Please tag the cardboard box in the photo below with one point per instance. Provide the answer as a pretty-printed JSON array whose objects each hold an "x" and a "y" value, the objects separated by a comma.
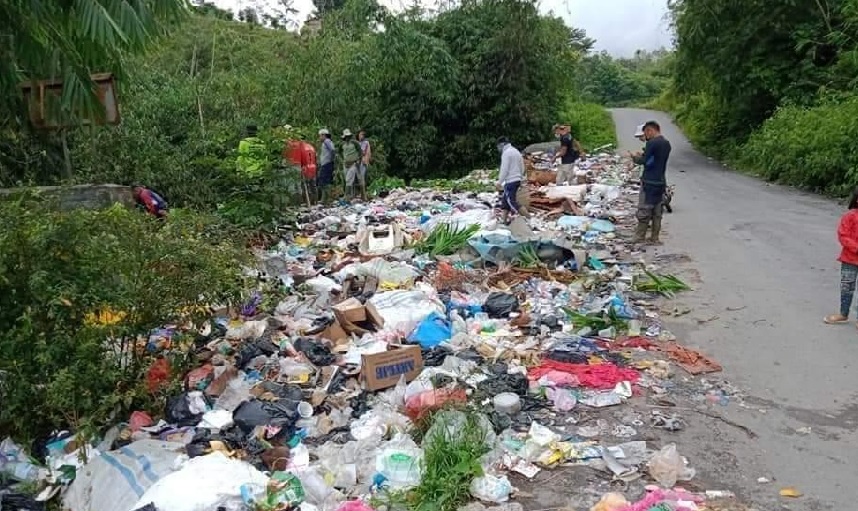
[
  {"x": 383, "y": 370},
  {"x": 356, "y": 318},
  {"x": 334, "y": 333}
]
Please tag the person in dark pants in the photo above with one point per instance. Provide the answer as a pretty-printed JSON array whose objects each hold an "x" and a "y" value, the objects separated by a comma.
[
  {"x": 327, "y": 154},
  {"x": 509, "y": 178},
  {"x": 847, "y": 234},
  {"x": 653, "y": 184}
]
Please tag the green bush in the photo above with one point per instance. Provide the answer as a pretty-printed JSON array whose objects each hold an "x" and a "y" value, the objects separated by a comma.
[
  {"x": 812, "y": 147},
  {"x": 592, "y": 125},
  {"x": 433, "y": 93},
  {"x": 62, "y": 270}
]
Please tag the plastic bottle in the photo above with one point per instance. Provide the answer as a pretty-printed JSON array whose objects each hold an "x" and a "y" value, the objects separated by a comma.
[{"x": 22, "y": 471}]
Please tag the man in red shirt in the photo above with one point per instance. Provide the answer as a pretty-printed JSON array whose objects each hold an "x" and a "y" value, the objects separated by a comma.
[{"x": 302, "y": 155}]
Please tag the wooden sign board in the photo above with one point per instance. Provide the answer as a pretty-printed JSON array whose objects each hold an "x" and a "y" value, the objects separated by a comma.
[{"x": 42, "y": 99}]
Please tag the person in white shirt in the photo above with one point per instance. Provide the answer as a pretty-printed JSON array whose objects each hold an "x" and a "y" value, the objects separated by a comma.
[{"x": 510, "y": 176}]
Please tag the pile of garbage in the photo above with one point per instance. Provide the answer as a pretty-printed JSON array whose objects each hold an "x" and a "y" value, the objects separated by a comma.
[{"x": 403, "y": 327}]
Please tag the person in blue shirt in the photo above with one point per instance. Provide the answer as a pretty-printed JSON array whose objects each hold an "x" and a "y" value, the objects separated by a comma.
[{"x": 653, "y": 184}]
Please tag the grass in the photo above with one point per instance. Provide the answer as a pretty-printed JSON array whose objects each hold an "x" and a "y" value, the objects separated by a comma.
[
  {"x": 452, "y": 452},
  {"x": 454, "y": 441}
]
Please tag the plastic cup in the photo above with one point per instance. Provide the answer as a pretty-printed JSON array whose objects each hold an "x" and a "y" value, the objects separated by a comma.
[{"x": 305, "y": 410}]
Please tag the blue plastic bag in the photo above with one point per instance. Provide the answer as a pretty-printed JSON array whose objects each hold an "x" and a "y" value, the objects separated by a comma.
[{"x": 432, "y": 331}]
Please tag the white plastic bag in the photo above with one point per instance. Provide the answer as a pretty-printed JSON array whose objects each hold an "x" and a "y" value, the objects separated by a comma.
[
  {"x": 667, "y": 467},
  {"x": 489, "y": 488},
  {"x": 203, "y": 483}
]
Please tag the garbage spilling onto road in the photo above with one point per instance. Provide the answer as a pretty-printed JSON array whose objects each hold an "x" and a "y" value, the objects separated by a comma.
[{"x": 413, "y": 353}]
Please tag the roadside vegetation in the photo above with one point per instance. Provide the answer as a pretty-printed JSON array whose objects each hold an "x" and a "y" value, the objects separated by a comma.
[
  {"x": 769, "y": 87},
  {"x": 84, "y": 293}
]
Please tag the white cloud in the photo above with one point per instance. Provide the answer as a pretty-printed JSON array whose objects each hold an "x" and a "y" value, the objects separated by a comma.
[{"x": 619, "y": 26}]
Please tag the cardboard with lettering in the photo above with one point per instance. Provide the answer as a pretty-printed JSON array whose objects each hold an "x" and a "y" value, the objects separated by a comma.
[{"x": 383, "y": 370}]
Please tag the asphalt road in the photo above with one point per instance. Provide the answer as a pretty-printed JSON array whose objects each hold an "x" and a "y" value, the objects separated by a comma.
[{"x": 763, "y": 261}]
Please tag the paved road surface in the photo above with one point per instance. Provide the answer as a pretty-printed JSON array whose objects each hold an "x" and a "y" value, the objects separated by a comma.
[{"x": 766, "y": 261}]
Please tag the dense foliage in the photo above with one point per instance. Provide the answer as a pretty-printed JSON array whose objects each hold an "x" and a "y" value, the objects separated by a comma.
[
  {"x": 619, "y": 82},
  {"x": 78, "y": 288},
  {"x": 433, "y": 94},
  {"x": 592, "y": 125},
  {"x": 44, "y": 39},
  {"x": 771, "y": 82}
]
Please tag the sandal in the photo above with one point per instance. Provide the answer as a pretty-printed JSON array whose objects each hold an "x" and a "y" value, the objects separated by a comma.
[{"x": 835, "y": 319}]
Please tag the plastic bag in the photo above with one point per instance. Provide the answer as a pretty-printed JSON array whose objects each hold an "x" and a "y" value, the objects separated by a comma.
[
  {"x": 611, "y": 502},
  {"x": 318, "y": 354},
  {"x": 495, "y": 246},
  {"x": 500, "y": 305},
  {"x": 432, "y": 331},
  {"x": 186, "y": 409},
  {"x": 667, "y": 467},
  {"x": 260, "y": 413},
  {"x": 400, "y": 463},
  {"x": 203, "y": 483},
  {"x": 489, "y": 488}
]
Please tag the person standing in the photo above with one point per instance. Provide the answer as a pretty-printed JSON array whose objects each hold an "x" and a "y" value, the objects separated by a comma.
[
  {"x": 653, "y": 184},
  {"x": 847, "y": 234},
  {"x": 301, "y": 155},
  {"x": 351, "y": 152},
  {"x": 327, "y": 155},
  {"x": 251, "y": 153},
  {"x": 570, "y": 151},
  {"x": 366, "y": 158},
  {"x": 510, "y": 176}
]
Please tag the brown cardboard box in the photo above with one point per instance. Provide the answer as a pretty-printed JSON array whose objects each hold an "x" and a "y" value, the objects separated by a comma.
[
  {"x": 356, "y": 318},
  {"x": 350, "y": 311},
  {"x": 334, "y": 333},
  {"x": 383, "y": 370}
]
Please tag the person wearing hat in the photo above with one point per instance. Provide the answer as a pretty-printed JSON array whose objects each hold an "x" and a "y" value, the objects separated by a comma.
[
  {"x": 570, "y": 151},
  {"x": 327, "y": 155},
  {"x": 509, "y": 178},
  {"x": 351, "y": 152}
]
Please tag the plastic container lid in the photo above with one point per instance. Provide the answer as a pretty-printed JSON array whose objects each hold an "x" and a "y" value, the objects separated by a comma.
[{"x": 507, "y": 403}]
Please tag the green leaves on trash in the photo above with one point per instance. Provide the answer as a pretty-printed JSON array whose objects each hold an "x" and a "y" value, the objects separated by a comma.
[{"x": 665, "y": 285}]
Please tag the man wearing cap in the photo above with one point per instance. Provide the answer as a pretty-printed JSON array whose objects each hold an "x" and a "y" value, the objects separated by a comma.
[
  {"x": 351, "y": 163},
  {"x": 570, "y": 151},
  {"x": 326, "y": 164},
  {"x": 653, "y": 184},
  {"x": 509, "y": 178}
]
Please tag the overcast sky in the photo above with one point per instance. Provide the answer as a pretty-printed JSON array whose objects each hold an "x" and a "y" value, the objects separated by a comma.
[{"x": 619, "y": 26}]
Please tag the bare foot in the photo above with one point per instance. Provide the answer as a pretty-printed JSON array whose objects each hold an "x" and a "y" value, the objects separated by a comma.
[{"x": 836, "y": 319}]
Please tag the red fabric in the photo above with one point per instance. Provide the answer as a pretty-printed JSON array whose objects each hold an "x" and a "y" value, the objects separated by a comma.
[
  {"x": 630, "y": 342},
  {"x": 601, "y": 376},
  {"x": 301, "y": 154},
  {"x": 847, "y": 234},
  {"x": 158, "y": 374}
]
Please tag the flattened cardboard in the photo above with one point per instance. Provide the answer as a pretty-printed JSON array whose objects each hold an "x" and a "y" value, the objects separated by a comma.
[{"x": 383, "y": 370}]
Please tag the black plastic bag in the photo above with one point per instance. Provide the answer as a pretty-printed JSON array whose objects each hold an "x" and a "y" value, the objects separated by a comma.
[
  {"x": 284, "y": 392},
  {"x": 318, "y": 354},
  {"x": 434, "y": 357},
  {"x": 178, "y": 411},
  {"x": 13, "y": 501},
  {"x": 515, "y": 383},
  {"x": 472, "y": 355},
  {"x": 500, "y": 305},
  {"x": 246, "y": 354},
  {"x": 251, "y": 414}
]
